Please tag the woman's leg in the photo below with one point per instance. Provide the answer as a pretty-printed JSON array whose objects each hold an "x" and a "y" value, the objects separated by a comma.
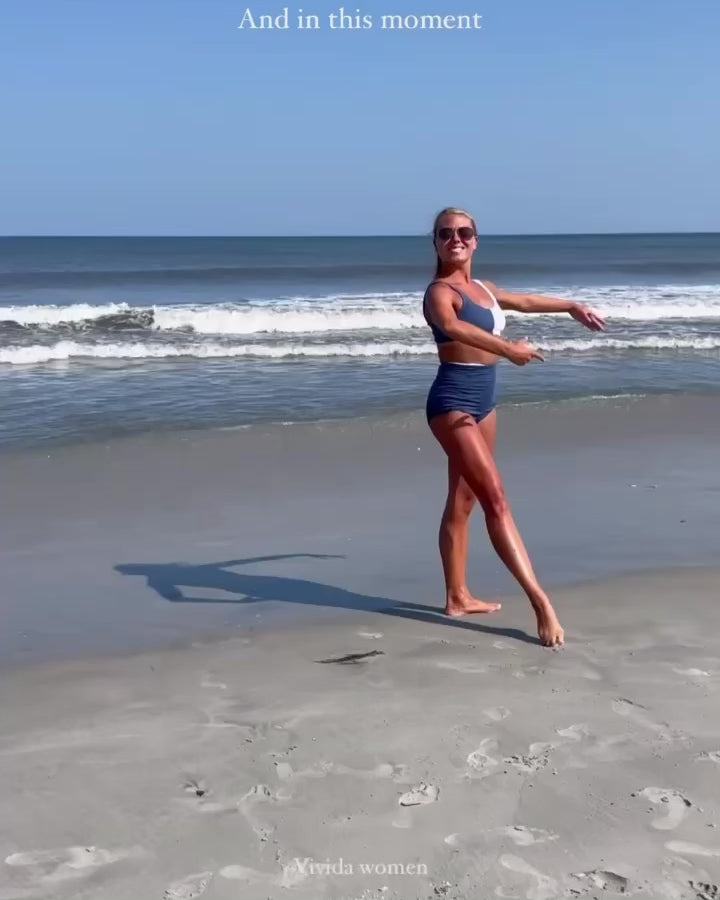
[
  {"x": 454, "y": 533},
  {"x": 470, "y": 455}
]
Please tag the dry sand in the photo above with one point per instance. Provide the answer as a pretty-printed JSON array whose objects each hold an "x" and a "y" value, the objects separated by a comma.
[{"x": 463, "y": 761}]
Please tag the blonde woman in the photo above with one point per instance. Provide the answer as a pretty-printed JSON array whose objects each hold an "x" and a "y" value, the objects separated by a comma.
[{"x": 467, "y": 319}]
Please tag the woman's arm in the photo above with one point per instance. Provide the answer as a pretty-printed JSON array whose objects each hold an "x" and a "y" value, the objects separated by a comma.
[
  {"x": 539, "y": 303},
  {"x": 442, "y": 312}
]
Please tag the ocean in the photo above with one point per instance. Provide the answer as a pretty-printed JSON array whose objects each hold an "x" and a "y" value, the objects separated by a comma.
[{"x": 101, "y": 337}]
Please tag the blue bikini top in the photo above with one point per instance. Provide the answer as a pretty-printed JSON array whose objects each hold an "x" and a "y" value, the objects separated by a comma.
[{"x": 490, "y": 319}]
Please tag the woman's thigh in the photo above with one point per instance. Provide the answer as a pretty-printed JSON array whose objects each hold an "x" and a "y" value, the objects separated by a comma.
[{"x": 470, "y": 457}]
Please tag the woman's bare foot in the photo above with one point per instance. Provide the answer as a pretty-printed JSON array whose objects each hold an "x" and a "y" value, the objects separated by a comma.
[
  {"x": 549, "y": 628},
  {"x": 463, "y": 603}
]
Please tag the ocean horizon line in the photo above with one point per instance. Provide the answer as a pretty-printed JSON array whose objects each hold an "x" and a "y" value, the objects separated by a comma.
[{"x": 484, "y": 234}]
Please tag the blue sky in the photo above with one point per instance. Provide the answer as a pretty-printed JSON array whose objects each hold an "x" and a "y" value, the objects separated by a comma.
[{"x": 162, "y": 117}]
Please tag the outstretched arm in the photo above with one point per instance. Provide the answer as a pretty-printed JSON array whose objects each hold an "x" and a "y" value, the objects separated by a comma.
[
  {"x": 258, "y": 559},
  {"x": 539, "y": 303}
]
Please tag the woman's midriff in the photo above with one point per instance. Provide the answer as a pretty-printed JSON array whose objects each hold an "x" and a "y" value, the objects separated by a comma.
[{"x": 455, "y": 352}]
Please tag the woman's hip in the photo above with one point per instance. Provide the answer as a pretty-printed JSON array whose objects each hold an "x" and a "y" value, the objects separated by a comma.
[{"x": 463, "y": 388}]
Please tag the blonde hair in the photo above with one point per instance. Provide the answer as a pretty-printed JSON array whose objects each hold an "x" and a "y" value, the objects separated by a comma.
[{"x": 448, "y": 211}]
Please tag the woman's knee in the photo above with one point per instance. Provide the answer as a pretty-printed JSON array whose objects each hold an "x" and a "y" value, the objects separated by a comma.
[
  {"x": 493, "y": 499},
  {"x": 460, "y": 506}
]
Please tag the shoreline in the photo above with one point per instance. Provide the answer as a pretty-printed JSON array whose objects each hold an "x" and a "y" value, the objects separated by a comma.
[
  {"x": 119, "y": 546},
  {"x": 380, "y": 417}
]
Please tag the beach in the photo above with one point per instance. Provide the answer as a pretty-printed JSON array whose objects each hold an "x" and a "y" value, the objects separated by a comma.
[
  {"x": 226, "y": 672},
  {"x": 233, "y": 664}
]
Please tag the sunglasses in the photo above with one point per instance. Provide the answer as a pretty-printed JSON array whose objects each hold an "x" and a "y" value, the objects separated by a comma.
[{"x": 465, "y": 232}]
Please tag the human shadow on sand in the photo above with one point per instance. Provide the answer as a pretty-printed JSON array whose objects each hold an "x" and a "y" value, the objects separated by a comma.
[{"x": 167, "y": 579}]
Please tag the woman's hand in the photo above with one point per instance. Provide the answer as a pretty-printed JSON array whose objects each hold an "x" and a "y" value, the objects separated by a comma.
[
  {"x": 521, "y": 352},
  {"x": 587, "y": 317}
]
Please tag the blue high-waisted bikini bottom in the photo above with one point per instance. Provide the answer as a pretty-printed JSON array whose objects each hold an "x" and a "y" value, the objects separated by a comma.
[{"x": 462, "y": 388}]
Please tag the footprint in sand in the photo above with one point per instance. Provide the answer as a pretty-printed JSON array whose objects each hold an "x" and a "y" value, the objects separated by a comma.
[
  {"x": 189, "y": 887},
  {"x": 574, "y": 732},
  {"x": 693, "y": 673},
  {"x": 497, "y": 713},
  {"x": 246, "y": 804},
  {"x": 395, "y": 771},
  {"x": 284, "y": 771},
  {"x": 570, "y": 735},
  {"x": 604, "y": 880},
  {"x": 260, "y": 793},
  {"x": 480, "y": 761},
  {"x": 709, "y": 756},
  {"x": 208, "y": 681},
  {"x": 526, "y": 764},
  {"x": 545, "y": 888},
  {"x": 420, "y": 795},
  {"x": 538, "y": 752},
  {"x": 198, "y": 798},
  {"x": 195, "y": 786},
  {"x": 705, "y": 890},
  {"x": 677, "y": 806},
  {"x": 635, "y": 711},
  {"x": 398, "y": 772},
  {"x": 522, "y": 836},
  {"x": 243, "y": 873},
  {"x": 292, "y": 874},
  {"x": 69, "y": 862},
  {"x": 686, "y": 849}
]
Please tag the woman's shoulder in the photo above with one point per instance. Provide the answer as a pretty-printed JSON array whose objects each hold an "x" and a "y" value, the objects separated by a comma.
[
  {"x": 488, "y": 285},
  {"x": 439, "y": 289}
]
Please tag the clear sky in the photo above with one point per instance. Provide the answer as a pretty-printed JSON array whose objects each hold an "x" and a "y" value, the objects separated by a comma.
[{"x": 163, "y": 117}]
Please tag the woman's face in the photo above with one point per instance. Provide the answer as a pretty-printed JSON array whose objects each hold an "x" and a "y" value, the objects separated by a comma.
[{"x": 455, "y": 239}]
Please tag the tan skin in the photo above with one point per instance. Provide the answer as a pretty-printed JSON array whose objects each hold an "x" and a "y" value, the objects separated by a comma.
[{"x": 472, "y": 473}]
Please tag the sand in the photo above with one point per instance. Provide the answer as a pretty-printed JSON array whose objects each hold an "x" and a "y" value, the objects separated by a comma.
[
  {"x": 338, "y": 737},
  {"x": 119, "y": 546},
  {"x": 391, "y": 758}
]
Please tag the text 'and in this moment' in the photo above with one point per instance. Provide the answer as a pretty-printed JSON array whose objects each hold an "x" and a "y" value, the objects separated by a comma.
[{"x": 346, "y": 20}]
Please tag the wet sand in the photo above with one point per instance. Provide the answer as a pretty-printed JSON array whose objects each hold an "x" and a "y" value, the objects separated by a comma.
[{"x": 121, "y": 546}]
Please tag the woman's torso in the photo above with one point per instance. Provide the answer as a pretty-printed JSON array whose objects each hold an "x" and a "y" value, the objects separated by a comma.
[{"x": 474, "y": 303}]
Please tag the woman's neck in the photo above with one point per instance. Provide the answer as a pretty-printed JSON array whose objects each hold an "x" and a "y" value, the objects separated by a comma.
[{"x": 459, "y": 273}]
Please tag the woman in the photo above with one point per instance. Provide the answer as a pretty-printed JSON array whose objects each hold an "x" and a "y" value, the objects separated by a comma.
[{"x": 467, "y": 319}]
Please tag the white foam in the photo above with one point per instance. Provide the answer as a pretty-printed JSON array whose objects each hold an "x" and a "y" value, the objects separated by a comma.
[
  {"x": 66, "y": 350},
  {"x": 35, "y": 354},
  {"x": 391, "y": 311},
  {"x": 651, "y": 342},
  {"x": 273, "y": 320}
]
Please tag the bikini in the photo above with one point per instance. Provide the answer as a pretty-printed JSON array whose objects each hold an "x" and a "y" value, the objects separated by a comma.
[{"x": 465, "y": 387}]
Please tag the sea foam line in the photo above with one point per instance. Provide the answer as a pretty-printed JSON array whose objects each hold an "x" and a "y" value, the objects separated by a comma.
[
  {"x": 67, "y": 350},
  {"x": 362, "y": 312}
]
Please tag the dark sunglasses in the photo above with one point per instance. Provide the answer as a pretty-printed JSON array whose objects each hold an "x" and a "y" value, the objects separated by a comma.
[{"x": 464, "y": 232}]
